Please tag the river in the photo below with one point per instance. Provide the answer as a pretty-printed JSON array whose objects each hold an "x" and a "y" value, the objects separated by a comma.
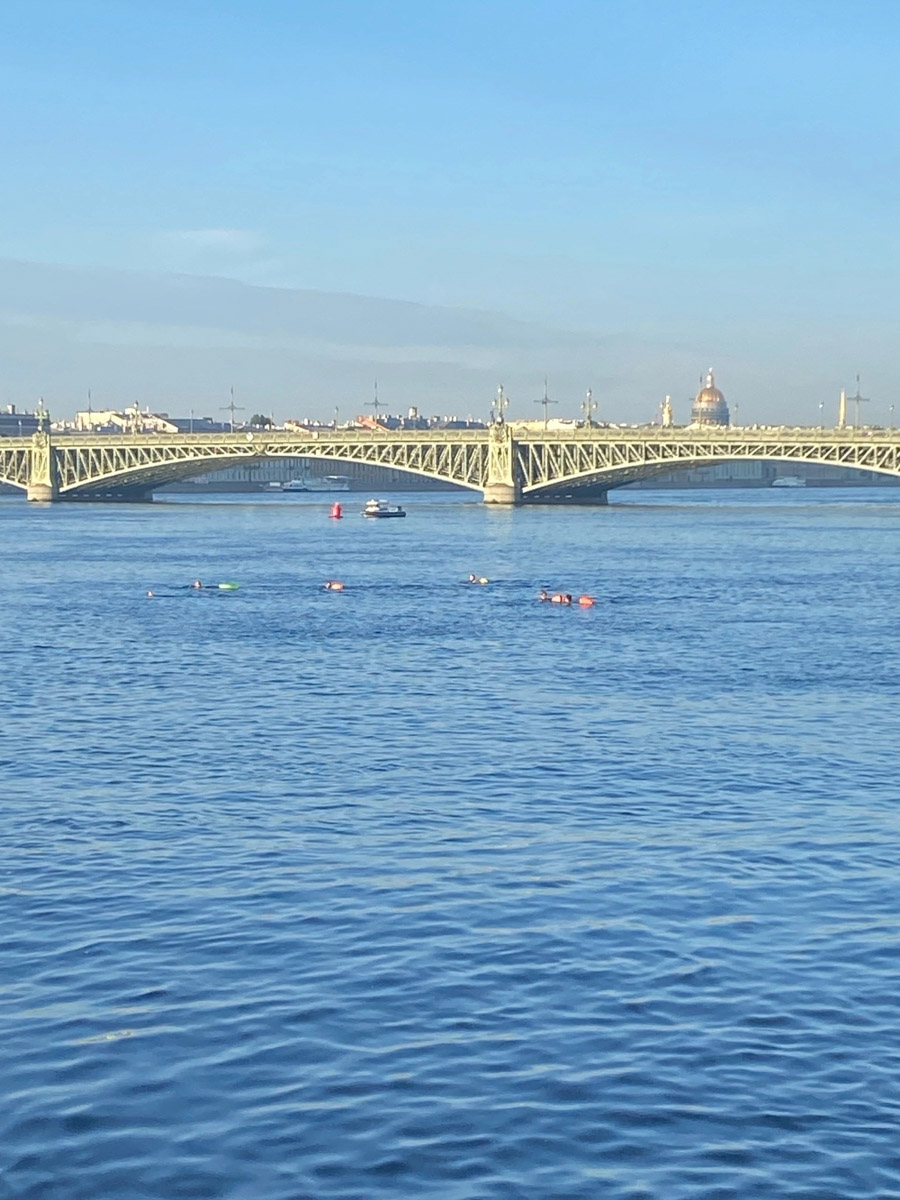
[{"x": 424, "y": 889}]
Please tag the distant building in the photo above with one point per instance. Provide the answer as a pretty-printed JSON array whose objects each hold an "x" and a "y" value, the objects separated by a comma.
[
  {"x": 709, "y": 406},
  {"x": 18, "y": 424},
  {"x": 413, "y": 421},
  {"x": 552, "y": 424},
  {"x": 132, "y": 420},
  {"x": 197, "y": 424},
  {"x": 127, "y": 420}
]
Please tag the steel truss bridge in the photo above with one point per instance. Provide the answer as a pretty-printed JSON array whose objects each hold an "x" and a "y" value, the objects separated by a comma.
[{"x": 508, "y": 465}]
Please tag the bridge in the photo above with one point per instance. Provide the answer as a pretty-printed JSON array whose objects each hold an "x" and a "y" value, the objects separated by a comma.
[{"x": 507, "y": 464}]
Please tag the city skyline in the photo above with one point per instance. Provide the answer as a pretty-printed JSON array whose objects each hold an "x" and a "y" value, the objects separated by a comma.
[{"x": 301, "y": 354}]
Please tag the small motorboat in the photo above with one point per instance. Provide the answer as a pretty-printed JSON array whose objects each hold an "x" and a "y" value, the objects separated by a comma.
[{"x": 381, "y": 508}]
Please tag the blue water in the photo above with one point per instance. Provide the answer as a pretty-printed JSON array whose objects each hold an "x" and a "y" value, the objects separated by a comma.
[{"x": 428, "y": 890}]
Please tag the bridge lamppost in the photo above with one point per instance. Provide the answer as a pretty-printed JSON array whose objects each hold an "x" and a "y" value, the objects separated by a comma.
[
  {"x": 589, "y": 407},
  {"x": 821, "y": 414},
  {"x": 892, "y": 417},
  {"x": 499, "y": 405}
]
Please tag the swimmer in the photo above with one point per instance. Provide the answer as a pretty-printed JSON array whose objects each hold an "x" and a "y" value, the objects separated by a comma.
[
  {"x": 473, "y": 579},
  {"x": 150, "y": 595},
  {"x": 543, "y": 596},
  {"x": 196, "y": 584},
  {"x": 567, "y": 598}
]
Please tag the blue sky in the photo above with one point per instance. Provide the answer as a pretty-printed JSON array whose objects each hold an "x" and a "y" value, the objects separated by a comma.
[{"x": 717, "y": 180}]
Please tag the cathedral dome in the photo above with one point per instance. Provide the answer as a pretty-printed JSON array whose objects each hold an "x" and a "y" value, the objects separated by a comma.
[{"x": 709, "y": 404}]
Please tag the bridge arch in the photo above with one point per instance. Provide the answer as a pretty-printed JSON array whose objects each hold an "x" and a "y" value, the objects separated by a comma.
[
  {"x": 610, "y": 475},
  {"x": 150, "y": 477},
  {"x": 141, "y": 464}
]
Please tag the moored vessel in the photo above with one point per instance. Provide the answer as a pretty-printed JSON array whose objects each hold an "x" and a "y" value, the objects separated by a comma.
[
  {"x": 318, "y": 483},
  {"x": 381, "y": 508}
]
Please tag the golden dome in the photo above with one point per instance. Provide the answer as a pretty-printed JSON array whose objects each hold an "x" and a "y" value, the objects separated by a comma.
[
  {"x": 709, "y": 391},
  {"x": 709, "y": 404}
]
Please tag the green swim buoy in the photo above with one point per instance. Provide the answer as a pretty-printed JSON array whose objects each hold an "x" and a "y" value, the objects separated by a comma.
[{"x": 228, "y": 587}]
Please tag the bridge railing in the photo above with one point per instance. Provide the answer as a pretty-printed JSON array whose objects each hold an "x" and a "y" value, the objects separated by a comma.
[
  {"x": 247, "y": 437},
  {"x": 599, "y": 433},
  {"x": 617, "y": 433},
  {"x": 685, "y": 433}
]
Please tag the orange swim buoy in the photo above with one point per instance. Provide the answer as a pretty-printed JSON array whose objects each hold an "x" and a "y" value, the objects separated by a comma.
[
  {"x": 557, "y": 598},
  {"x": 334, "y": 585},
  {"x": 586, "y": 601},
  {"x": 336, "y": 511}
]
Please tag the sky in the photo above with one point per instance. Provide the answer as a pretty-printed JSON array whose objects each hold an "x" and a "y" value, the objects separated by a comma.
[{"x": 648, "y": 187}]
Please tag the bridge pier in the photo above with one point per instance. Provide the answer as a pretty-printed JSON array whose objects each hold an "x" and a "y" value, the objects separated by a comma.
[
  {"x": 502, "y": 493},
  {"x": 44, "y": 493},
  {"x": 43, "y": 481},
  {"x": 503, "y": 485}
]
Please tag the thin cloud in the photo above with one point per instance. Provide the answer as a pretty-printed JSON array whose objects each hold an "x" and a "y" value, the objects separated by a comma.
[{"x": 231, "y": 241}]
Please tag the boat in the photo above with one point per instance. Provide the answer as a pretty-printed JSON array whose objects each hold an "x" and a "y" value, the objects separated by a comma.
[
  {"x": 381, "y": 508},
  {"x": 789, "y": 481},
  {"x": 318, "y": 483}
]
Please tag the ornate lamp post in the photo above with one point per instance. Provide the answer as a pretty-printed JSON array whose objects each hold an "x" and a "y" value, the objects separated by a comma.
[
  {"x": 499, "y": 405},
  {"x": 589, "y": 406}
]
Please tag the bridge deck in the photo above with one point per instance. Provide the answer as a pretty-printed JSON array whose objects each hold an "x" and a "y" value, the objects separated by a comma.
[{"x": 505, "y": 462}]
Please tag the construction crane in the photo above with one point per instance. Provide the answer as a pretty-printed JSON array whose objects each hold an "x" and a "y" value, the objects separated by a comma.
[
  {"x": 545, "y": 401},
  {"x": 858, "y": 400},
  {"x": 232, "y": 408},
  {"x": 375, "y": 403}
]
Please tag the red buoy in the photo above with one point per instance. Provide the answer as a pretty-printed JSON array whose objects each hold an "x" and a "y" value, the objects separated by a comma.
[{"x": 336, "y": 511}]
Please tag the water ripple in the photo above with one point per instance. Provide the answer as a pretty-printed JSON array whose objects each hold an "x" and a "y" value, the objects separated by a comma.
[{"x": 430, "y": 891}]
